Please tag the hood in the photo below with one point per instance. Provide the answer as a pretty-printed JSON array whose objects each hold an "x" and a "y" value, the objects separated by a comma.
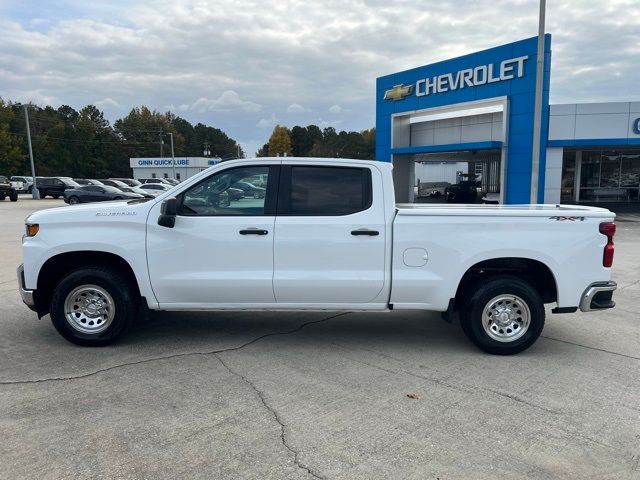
[{"x": 113, "y": 209}]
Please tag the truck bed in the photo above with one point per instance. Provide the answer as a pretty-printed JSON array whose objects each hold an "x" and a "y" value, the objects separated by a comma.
[{"x": 425, "y": 209}]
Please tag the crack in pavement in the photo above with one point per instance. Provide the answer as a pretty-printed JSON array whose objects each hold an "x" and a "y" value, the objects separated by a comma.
[
  {"x": 276, "y": 416},
  {"x": 591, "y": 348},
  {"x": 169, "y": 357},
  {"x": 459, "y": 386},
  {"x": 627, "y": 286}
]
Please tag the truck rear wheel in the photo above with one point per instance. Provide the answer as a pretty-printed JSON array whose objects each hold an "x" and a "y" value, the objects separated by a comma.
[
  {"x": 504, "y": 316},
  {"x": 13, "y": 196},
  {"x": 93, "y": 306}
]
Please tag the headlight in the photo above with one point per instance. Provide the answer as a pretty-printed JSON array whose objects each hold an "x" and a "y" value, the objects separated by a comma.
[{"x": 32, "y": 229}]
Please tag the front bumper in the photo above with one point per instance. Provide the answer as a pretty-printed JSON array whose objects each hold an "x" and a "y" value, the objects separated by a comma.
[
  {"x": 598, "y": 296},
  {"x": 28, "y": 296}
]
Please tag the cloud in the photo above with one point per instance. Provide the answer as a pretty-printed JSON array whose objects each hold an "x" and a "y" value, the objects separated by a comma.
[
  {"x": 226, "y": 63},
  {"x": 228, "y": 101},
  {"x": 296, "y": 108},
  {"x": 268, "y": 122},
  {"x": 107, "y": 103}
]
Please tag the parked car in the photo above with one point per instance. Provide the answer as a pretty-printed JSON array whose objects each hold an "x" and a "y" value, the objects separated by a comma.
[
  {"x": 328, "y": 236},
  {"x": 163, "y": 181},
  {"x": 27, "y": 183},
  {"x": 139, "y": 191},
  {"x": 113, "y": 183},
  {"x": 156, "y": 187},
  {"x": 54, "y": 186},
  {"x": 235, "y": 193},
  {"x": 250, "y": 190},
  {"x": 87, "y": 181},
  {"x": 130, "y": 182},
  {"x": 96, "y": 193},
  {"x": 7, "y": 190}
]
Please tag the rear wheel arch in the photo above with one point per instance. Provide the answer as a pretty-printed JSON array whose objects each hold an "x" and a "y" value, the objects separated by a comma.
[
  {"x": 61, "y": 265},
  {"x": 531, "y": 271}
]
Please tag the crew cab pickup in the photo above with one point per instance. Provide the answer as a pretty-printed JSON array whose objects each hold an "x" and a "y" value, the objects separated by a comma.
[{"x": 327, "y": 235}]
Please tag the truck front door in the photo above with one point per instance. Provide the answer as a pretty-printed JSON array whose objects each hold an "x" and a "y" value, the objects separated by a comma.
[{"x": 219, "y": 254}]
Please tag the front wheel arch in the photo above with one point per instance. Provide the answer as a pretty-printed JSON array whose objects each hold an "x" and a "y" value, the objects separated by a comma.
[{"x": 62, "y": 264}]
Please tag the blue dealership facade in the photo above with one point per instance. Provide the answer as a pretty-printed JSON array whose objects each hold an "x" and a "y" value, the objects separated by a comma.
[{"x": 477, "y": 110}]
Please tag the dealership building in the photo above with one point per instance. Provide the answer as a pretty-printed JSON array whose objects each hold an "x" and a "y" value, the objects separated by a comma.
[
  {"x": 477, "y": 112},
  {"x": 165, "y": 167}
]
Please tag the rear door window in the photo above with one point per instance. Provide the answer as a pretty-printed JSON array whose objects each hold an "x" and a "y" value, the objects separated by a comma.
[{"x": 324, "y": 191}]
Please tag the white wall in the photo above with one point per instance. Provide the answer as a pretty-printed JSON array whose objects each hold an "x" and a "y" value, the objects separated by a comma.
[
  {"x": 474, "y": 128},
  {"x": 585, "y": 121},
  {"x": 439, "y": 172}
]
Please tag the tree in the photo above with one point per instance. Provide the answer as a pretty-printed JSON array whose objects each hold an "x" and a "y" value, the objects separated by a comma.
[
  {"x": 280, "y": 142},
  {"x": 12, "y": 158},
  {"x": 264, "y": 151}
]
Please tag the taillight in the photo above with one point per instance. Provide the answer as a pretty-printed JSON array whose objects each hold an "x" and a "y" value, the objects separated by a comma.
[{"x": 608, "y": 229}]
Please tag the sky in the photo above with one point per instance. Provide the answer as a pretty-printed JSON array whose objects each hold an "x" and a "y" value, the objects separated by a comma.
[{"x": 245, "y": 66}]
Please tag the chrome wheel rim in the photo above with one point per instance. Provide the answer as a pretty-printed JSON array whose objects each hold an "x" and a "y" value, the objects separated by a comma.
[
  {"x": 89, "y": 309},
  {"x": 506, "y": 318}
]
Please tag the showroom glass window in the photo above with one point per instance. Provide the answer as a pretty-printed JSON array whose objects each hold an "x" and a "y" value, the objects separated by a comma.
[
  {"x": 317, "y": 190},
  {"x": 610, "y": 176},
  {"x": 236, "y": 191},
  {"x": 567, "y": 187}
]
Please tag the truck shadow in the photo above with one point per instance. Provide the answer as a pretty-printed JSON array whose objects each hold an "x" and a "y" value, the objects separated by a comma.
[{"x": 230, "y": 330}]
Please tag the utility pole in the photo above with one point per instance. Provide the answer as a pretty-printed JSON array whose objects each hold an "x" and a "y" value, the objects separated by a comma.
[
  {"x": 173, "y": 157},
  {"x": 34, "y": 189},
  {"x": 161, "y": 145},
  {"x": 537, "y": 115}
]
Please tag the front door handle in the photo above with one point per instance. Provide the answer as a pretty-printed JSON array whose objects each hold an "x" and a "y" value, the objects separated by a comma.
[
  {"x": 371, "y": 233},
  {"x": 253, "y": 231}
]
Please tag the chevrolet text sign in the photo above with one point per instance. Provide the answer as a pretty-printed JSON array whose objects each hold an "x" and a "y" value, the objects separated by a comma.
[{"x": 472, "y": 77}]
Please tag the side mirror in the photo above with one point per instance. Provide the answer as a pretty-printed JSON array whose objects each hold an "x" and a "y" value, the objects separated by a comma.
[{"x": 168, "y": 212}]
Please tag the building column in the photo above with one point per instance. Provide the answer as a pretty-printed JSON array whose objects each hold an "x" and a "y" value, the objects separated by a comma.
[{"x": 553, "y": 175}]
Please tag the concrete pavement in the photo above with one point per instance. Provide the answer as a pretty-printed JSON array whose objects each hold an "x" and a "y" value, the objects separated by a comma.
[{"x": 319, "y": 395}]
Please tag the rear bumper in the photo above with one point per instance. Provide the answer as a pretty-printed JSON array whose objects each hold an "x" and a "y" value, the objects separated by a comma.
[
  {"x": 28, "y": 296},
  {"x": 598, "y": 296}
]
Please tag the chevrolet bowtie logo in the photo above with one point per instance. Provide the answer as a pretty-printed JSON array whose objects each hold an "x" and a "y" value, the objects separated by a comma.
[{"x": 398, "y": 92}]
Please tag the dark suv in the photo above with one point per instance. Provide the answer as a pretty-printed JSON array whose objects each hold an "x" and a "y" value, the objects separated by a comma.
[
  {"x": 54, "y": 186},
  {"x": 6, "y": 190}
]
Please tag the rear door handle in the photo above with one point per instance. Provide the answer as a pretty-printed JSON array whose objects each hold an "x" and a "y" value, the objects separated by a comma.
[
  {"x": 371, "y": 233},
  {"x": 253, "y": 231}
]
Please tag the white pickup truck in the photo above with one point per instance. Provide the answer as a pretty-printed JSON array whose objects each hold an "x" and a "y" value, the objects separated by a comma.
[{"x": 314, "y": 234}]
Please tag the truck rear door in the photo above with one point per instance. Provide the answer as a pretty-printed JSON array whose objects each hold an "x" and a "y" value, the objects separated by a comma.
[{"x": 330, "y": 234}]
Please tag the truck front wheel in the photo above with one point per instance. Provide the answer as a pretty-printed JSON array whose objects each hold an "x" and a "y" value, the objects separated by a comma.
[
  {"x": 93, "y": 306},
  {"x": 504, "y": 316}
]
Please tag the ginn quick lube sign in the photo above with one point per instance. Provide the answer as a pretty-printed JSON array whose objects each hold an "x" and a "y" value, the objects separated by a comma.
[{"x": 472, "y": 77}]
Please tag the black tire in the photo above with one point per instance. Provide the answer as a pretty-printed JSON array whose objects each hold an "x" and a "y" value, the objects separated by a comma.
[
  {"x": 73, "y": 200},
  {"x": 30, "y": 189},
  {"x": 56, "y": 196},
  {"x": 471, "y": 315},
  {"x": 13, "y": 196},
  {"x": 43, "y": 193},
  {"x": 118, "y": 286},
  {"x": 2, "y": 197}
]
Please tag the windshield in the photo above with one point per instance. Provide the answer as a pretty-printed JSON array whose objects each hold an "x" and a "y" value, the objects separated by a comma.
[
  {"x": 68, "y": 181},
  {"x": 3, "y": 179},
  {"x": 110, "y": 189}
]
